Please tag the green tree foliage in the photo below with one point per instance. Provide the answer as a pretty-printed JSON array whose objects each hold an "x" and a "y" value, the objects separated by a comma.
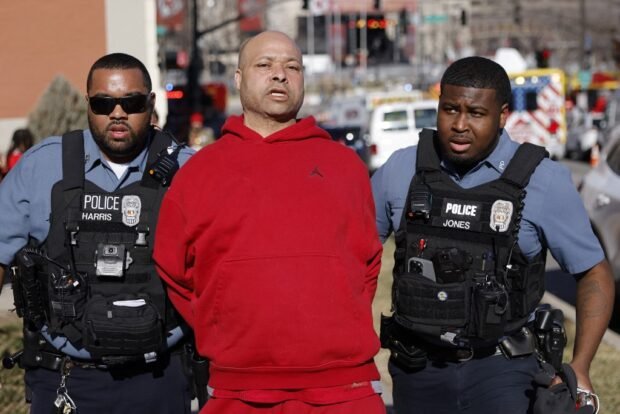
[{"x": 61, "y": 109}]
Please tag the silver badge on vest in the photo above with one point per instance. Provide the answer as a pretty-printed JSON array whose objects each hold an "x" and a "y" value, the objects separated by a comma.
[
  {"x": 131, "y": 210},
  {"x": 501, "y": 214}
]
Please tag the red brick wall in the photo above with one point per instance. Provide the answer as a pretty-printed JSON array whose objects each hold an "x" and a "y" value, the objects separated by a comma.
[{"x": 41, "y": 39}]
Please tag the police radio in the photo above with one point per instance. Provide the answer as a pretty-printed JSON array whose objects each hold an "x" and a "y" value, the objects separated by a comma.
[
  {"x": 166, "y": 165},
  {"x": 421, "y": 201}
]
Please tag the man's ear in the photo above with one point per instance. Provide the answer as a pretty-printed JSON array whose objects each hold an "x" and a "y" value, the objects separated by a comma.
[
  {"x": 238, "y": 79},
  {"x": 503, "y": 116}
]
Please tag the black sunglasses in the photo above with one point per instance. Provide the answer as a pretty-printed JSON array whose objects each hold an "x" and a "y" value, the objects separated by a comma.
[{"x": 104, "y": 105}]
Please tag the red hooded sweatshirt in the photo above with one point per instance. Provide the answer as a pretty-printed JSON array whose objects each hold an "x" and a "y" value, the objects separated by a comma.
[{"x": 270, "y": 250}]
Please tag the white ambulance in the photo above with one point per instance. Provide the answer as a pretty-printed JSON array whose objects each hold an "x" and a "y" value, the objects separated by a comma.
[
  {"x": 397, "y": 125},
  {"x": 538, "y": 111}
]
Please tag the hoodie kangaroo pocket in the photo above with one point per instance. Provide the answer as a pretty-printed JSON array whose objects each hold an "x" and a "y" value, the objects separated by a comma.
[{"x": 288, "y": 311}]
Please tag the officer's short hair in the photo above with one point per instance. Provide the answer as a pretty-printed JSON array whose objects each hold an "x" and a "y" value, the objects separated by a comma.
[
  {"x": 479, "y": 72},
  {"x": 119, "y": 61}
]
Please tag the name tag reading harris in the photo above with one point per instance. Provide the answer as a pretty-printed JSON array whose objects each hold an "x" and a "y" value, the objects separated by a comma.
[
  {"x": 109, "y": 207},
  {"x": 460, "y": 214}
]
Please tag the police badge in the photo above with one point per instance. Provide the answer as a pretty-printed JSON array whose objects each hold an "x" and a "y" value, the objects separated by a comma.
[
  {"x": 131, "y": 206},
  {"x": 501, "y": 213}
]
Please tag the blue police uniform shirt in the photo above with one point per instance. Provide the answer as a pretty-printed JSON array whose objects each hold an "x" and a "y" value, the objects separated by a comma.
[
  {"x": 26, "y": 191},
  {"x": 553, "y": 217}
]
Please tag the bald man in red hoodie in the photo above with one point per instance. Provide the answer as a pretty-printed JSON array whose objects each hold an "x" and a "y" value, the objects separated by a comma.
[{"x": 267, "y": 241}]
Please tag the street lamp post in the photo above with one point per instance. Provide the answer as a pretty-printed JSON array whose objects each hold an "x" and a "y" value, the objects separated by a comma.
[{"x": 195, "y": 66}]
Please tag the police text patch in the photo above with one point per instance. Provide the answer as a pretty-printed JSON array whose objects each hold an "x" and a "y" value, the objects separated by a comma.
[
  {"x": 461, "y": 209},
  {"x": 110, "y": 207},
  {"x": 460, "y": 214}
]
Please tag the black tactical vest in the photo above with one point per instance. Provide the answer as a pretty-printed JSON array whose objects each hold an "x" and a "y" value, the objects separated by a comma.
[
  {"x": 102, "y": 288},
  {"x": 459, "y": 275}
]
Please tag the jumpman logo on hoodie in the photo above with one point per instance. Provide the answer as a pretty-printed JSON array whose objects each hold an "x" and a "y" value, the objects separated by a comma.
[{"x": 316, "y": 171}]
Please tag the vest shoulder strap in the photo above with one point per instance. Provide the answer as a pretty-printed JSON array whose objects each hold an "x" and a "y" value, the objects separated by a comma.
[
  {"x": 72, "y": 160},
  {"x": 427, "y": 159},
  {"x": 523, "y": 164}
]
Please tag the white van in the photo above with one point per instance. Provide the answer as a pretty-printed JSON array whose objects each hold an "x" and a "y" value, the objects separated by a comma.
[{"x": 397, "y": 125}]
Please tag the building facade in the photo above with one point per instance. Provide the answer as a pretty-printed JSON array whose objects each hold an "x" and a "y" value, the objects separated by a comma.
[{"x": 64, "y": 37}]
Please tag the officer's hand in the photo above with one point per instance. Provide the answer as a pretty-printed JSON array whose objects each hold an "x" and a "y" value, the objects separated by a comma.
[
  {"x": 555, "y": 381},
  {"x": 583, "y": 378}
]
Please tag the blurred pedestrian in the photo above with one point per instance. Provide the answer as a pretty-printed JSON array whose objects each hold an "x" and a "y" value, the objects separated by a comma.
[
  {"x": 199, "y": 135},
  {"x": 22, "y": 140},
  {"x": 78, "y": 222},
  {"x": 268, "y": 244}
]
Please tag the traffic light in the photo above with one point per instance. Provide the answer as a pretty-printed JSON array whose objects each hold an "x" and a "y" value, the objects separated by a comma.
[
  {"x": 175, "y": 59},
  {"x": 377, "y": 4},
  {"x": 542, "y": 58},
  {"x": 305, "y": 4}
]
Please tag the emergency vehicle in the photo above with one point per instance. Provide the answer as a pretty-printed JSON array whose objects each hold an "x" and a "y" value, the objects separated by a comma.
[
  {"x": 537, "y": 111},
  {"x": 396, "y": 125}
]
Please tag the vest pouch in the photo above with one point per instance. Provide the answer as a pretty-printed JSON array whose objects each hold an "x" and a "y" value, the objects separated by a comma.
[
  {"x": 67, "y": 297},
  {"x": 527, "y": 287},
  {"x": 426, "y": 305},
  {"x": 122, "y": 325},
  {"x": 489, "y": 319}
]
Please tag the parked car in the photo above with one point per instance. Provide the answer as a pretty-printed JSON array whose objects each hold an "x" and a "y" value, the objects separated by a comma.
[
  {"x": 353, "y": 137},
  {"x": 600, "y": 190},
  {"x": 583, "y": 133},
  {"x": 397, "y": 125}
]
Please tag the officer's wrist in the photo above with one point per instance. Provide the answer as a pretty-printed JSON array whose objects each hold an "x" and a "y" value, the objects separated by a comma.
[{"x": 581, "y": 368}]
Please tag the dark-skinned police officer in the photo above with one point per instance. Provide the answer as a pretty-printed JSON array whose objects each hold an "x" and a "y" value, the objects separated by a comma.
[
  {"x": 473, "y": 214},
  {"x": 77, "y": 226}
]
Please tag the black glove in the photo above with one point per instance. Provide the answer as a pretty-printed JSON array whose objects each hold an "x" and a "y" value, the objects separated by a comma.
[{"x": 560, "y": 398}]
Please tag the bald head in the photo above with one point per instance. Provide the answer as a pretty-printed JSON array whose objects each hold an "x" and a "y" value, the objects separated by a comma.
[
  {"x": 270, "y": 80},
  {"x": 260, "y": 39}
]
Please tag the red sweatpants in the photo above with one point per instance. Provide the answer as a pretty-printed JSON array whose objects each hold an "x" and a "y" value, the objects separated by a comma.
[{"x": 368, "y": 405}]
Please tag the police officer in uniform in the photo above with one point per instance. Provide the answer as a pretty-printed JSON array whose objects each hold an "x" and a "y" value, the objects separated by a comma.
[
  {"x": 473, "y": 214},
  {"x": 77, "y": 226}
]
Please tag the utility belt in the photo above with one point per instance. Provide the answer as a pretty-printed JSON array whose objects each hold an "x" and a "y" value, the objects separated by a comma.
[
  {"x": 411, "y": 351},
  {"x": 543, "y": 335},
  {"x": 37, "y": 353},
  {"x": 51, "y": 360}
]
